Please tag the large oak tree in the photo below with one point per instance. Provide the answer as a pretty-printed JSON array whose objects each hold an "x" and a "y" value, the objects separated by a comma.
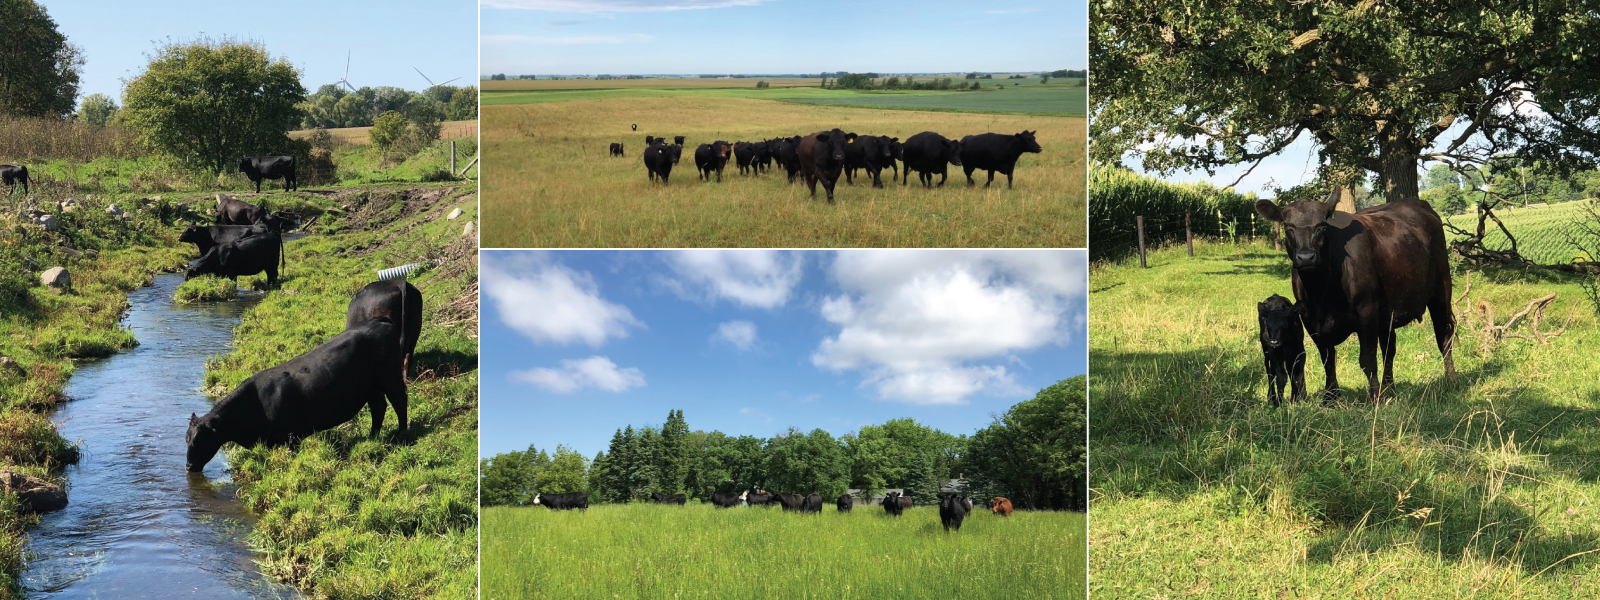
[
  {"x": 38, "y": 67},
  {"x": 1380, "y": 86}
]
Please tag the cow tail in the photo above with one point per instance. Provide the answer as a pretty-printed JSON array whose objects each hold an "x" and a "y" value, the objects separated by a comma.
[{"x": 405, "y": 362}]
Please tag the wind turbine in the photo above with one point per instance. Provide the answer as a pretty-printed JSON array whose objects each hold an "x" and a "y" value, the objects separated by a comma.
[
  {"x": 430, "y": 81},
  {"x": 346, "y": 79}
]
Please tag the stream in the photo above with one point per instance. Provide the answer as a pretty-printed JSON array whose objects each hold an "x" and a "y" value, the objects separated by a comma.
[{"x": 137, "y": 524}]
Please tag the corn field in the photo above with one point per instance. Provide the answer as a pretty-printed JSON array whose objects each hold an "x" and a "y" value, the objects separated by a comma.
[{"x": 1117, "y": 196}]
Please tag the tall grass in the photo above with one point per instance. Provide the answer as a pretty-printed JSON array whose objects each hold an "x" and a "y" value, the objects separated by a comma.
[
  {"x": 696, "y": 551},
  {"x": 23, "y": 138},
  {"x": 1117, "y": 196},
  {"x": 550, "y": 183},
  {"x": 1484, "y": 488}
]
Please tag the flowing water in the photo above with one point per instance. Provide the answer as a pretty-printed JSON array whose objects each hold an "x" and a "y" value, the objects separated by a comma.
[{"x": 138, "y": 525}]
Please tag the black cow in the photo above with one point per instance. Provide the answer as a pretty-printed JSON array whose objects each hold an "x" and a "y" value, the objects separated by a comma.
[
  {"x": 316, "y": 391},
  {"x": 651, "y": 140},
  {"x": 398, "y": 301},
  {"x": 1368, "y": 274},
  {"x": 845, "y": 503},
  {"x": 269, "y": 167},
  {"x": 635, "y": 126},
  {"x": 952, "y": 510},
  {"x": 243, "y": 257},
  {"x": 207, "y": 237},
  {"x": 659, "y": 158},
  {"x": 677, "y": 140},
  {"x": 11, "y": 175},
  {"x": 821, "y": 157},
  {"x": 764, "y": 151},
  {"x": 929, "y": 153},
  {"x": 760, "y": 498},
  {"x": 712, "y": 157},
  {"x": 995, "y": 152},
  {"x": 721, "y": 500},
  {"x": 891, "y": 504},
  {"x": 568, "y": 501},
  {"x": 232, "y": 211},
  {"x": 899, "y": 153},
  {"x": 789, "y": 501},
  {"x": 616, "y": 149},
  {"x": 743, "y": 154},
  {"x": 870, "y": 152},
  {"x": 788, "y": 156},
  {"x": 812, "y": 503},
  {"x": 1283, "y": 348},
  {"x": 661, "y": 498}
]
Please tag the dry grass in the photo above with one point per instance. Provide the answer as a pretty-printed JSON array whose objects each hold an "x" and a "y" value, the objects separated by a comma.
[
  {"x": 550, "y": 182},
  {"x": 360, "y": 135},
  {"x": 33, "y": 138}
]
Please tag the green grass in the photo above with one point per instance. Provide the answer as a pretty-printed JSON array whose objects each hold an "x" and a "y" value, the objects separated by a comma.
[
  {"x": 209, "y": 288},
  {"x": 364, "y": 164},
  {"x": 342, "y": 515},
  {"x": 1029, "y": 98},
  {"x": 1541, "y": 231},
  {"x": 1484, "y": 488},
  {"x": 551, "y": 184},
  {"x": 696, "y": 551}
]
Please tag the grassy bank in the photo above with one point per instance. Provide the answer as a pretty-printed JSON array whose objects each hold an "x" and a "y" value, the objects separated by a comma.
[
  {"x": 556, "y": 186},
  {"x": 342, "y": 515},
  {"x": 1485, "y": 488},
  {"x": 696, "y": 551}
]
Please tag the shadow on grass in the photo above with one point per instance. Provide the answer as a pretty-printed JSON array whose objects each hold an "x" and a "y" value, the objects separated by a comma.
[{"x": 446, "y": 363}]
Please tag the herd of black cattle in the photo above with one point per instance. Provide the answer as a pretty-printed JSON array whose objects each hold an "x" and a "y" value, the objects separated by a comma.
[
  {"x": 323, "y": 388},
  {"x": 1367, "y": 274},
  {"x": 824, "y": 155},
  {"x": 953, "y": 508}
]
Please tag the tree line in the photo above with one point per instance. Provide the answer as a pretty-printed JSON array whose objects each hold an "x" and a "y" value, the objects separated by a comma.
[
  {"x": 333, "y": 106},
  {"x": 1033, "y": 455}
]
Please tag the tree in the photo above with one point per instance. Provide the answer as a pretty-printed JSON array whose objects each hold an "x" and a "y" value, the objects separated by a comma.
[
  {"x": 39, "y": 69},
  {"x": 209, "y": 102},
  {"x": 1043, "y": 79},
  {"x": 567, "y": 472},
  {"x": 508, "y": 478},
  {"x": 97, "y": 110},
  {"x": 387, "y": 129},
  {"x": 674, "y": 446},
  {"x": 463, "y": 104},
  {"x": 1378, "y": 87},
  {"x": 801, "y": 463},
  {"x": 1035, "y": 454}
]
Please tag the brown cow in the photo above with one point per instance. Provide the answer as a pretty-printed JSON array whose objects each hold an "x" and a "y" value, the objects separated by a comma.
[
  {"x": 1000, "y": 506},
  {"x": 821, "y": 156},
  {"x": 1368, "y": 274}
]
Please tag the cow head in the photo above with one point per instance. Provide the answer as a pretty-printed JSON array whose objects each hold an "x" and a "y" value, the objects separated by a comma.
[
  {"x": 243, "y": 165},
  {"x": 535, "y": 499},
  {"x": 676, "y": 152},
  {"x": 1025, "y": 139},
  {"x": 1277, "y": 317},
  {"x": 209, "y": 262},
  {"x": 897, "y": 149},
  {"x": 1305, "y": 228},
  {"x": 835, "y": 141},
  {"x": 678, "y": 140},
  {"x": 952, "y": 151},
  {"x": 649, "y": 140},
  {"x": 192, "y": 234},
  {"x": 203, "y": 442}
]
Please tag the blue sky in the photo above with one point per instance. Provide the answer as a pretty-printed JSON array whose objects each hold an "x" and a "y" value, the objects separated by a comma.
[
  {"x": 781, "y": 36},
  {"x": 576, "y": 344},
  {"x": 385, "y": 39}
]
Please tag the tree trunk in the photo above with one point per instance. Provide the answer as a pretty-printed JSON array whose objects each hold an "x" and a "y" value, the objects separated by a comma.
[{"x": 1399, "y": 176}]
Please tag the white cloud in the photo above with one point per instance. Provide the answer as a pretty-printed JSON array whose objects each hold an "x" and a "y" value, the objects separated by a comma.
[
  {"x": 594, "y": 372},
  {"x": 742, "y": 334},
  {"x": 567, "y": 40},
  {"x": 594, "y": 6},
  {"x": 755, "y": 414},
  {"x": 919, "y": 325},
  {"x": 751, "y": 278},
  {"x": 548, "y": 302}
]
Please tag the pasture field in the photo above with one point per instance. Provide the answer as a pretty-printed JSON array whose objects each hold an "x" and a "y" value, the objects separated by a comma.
[
  {"x": 1058, "y": 99},
  {"x": 1484, "y": 488},
  {"x": 552, "y": 184},
  {"x": 1542, "y": 231},
  {"x": 696, "y": 551},
  {"x": 343, "y": 515}
]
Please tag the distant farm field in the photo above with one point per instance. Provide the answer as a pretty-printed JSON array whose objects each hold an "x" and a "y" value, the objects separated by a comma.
[
  {"x": 362, "y": 135},
  {"x": 1542, "y": 232},
  {"x": 696, "y": 551},
  {"x": 1020, "y": 96},
  {"x": 550, "y": 182}
]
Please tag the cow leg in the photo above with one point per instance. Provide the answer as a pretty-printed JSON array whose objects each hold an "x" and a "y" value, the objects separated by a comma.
[
  {"x": 812, "y": 183},
  {"x": 969, "y": 171},
  {"x": 1330, "y": 369},
  {"x": 1369, "y": 364},
  {"x": 1444, "y": 331},
  {"x": 376, "y": 406},
  {"x": 943, "y": 175},
  {"x": 272, "y": 277},
  {"x": 1388, "y": 344},
  {"x": 850, "y": 176},
  {"x": 991, "y": 179},
  {"x": 877, "y": 177},
  {"x": 1272, "y": 383},
  {"x": 396, "y": 392},
  {"x": 828, "y": 185},
  {"x": 1297, "y": 378},
  {"x": 1008, "y": 180}
]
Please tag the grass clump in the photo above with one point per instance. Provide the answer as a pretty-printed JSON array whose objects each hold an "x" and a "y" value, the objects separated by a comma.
[
  {"x": 209, "y": 288},
  {"x": 343, "y": 515},
  {"x": 696, "y": 551},
  {"x": 1484, "y": 487}
]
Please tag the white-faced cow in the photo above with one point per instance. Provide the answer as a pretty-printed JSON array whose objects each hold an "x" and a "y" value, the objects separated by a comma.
[
  {"x": 316, "y": 391},
  {"x": 845, "y": 503},
  {"x": 567, "y": 501},
  {"x": 1366, "y": 274},
  {"x": 721, "y": 500},
  {"x": 258, "y": 168}
]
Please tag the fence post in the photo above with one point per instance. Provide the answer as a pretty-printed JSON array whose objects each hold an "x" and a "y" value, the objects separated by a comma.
[
  {"x": 1188, "y": 234},
  {"x": 1138, "y": 223},
  {"x": 452, "y": 156},
  {"x": 1275, "y": 244}
]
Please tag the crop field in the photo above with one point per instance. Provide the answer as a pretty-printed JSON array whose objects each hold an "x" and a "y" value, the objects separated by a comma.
[
  {"x": 552, "y": 184},
  {"x": 1482, "y": 488},
  {"x": 696, "y": 551},
  {"x": 1542, "y": 232},
  {"x": 361, "y": 135},
  {"x": 1020, "y": 96}
]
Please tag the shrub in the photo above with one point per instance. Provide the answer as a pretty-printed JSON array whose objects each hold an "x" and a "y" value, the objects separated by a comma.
[{"x": 388, "y": 128}]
